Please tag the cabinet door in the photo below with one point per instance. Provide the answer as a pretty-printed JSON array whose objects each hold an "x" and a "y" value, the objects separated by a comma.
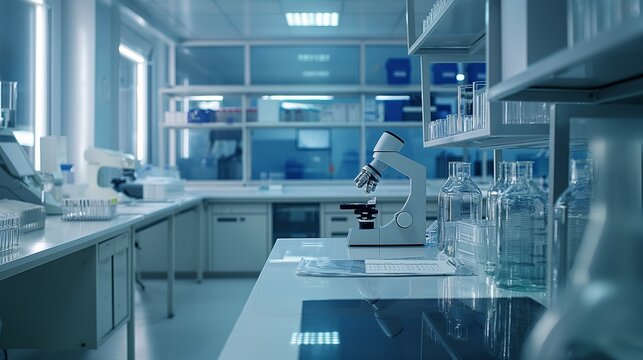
[
  {"x": 104, "y": 288},
  {"x": 240, "y": 242},
  {"x": 121, "y": 276},
  {"x": 337, "y": 225}
]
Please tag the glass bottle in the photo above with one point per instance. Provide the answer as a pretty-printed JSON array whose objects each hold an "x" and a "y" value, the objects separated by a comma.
[
  {"x": 461, "y": 200},
  {"x": 445, "y": 189},
  {"x": 571, "y": 215},
  {"x": 501, "y": 184},
  {"x": 521, "y": 228}
]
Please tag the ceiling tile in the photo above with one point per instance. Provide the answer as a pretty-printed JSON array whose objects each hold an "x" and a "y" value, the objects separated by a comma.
[
  {"x": 184, "y": 8},
  {"x": 250, "y": 6},
  {"x": 375, "y": 6}
]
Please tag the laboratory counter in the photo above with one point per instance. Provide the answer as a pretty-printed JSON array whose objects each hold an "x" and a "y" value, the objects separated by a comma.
[{"x": 298, "y": 317}]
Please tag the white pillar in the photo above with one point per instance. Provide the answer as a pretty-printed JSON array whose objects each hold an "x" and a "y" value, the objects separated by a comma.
[{"x": 78, "y": 61}]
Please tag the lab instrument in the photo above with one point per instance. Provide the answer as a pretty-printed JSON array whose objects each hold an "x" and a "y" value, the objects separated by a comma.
[
  {"x": 104, "y": 158},
  {"x": 9, "y": 231},
  {"x": 89, "y": 209},
  {"x": 8, "y": 103},
  {"x": 522, "y": 232},
  {"x": 32, "y": 217},
  {"x": 18, "y": 179},
  {"x": 408, "y": 224}
]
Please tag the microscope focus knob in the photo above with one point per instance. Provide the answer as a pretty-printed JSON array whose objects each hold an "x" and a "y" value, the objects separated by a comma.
[{"x": 404, "y": 219}]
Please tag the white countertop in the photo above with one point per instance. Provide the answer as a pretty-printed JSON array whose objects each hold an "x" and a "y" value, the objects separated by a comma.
[{"x": 273, "y": 310}]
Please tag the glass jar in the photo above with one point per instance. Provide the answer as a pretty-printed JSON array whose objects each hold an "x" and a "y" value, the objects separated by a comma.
[
  {"x": 521, "y": 228},
  {"x": 458, "y": 200},
  {"x": 571, "y": 215},
  {"x": 501, "y": 184}
]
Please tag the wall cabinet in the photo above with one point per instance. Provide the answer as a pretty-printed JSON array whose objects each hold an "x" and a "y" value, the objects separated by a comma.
[
  {"x": 40, "y": 307},
  {"x": 240, "y": 239}
]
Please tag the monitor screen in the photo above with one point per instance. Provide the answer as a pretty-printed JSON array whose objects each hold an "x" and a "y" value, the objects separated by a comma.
[
  {"x": 14, "y": 156},
  {"x": 313, "y": 139}
]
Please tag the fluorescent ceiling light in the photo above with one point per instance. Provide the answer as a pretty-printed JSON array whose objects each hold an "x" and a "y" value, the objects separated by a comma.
[
  {"x": 131, "y": 54},
  {"x": 392, "y": 97},
  {"x": 312, "y": 19},
  {"x": 298, "y": 97},
  {"x": 206, "y": 98},
  {"x": 316, "y": 73},
  {"x": 298, "y": 106},
  {"x": 315, "y": 338}
]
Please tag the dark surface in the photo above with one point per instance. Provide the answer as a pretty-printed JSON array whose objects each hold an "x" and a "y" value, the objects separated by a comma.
[{"x": 418, "y": 328}]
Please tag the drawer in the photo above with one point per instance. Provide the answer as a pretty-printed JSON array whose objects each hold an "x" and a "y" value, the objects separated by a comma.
[{"x": 229, "y": 208}]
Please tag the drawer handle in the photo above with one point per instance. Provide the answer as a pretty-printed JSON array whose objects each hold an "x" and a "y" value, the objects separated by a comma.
[
  {"x": 227, "y": 219},
  {"x": 339, "y": 218},
  {"x": 338, "y": 234}
]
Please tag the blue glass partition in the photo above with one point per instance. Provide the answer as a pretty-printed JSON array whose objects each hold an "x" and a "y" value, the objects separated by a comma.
[
  {"x": 304, "y": 153},
  {"x": 221, "y": 65}
]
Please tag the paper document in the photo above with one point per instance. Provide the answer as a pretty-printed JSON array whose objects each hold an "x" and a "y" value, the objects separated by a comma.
[{"x": 377, "y": 267}]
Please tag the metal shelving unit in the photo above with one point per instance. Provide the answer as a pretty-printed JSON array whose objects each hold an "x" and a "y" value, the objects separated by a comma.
[{"x": 606, "y": 69}]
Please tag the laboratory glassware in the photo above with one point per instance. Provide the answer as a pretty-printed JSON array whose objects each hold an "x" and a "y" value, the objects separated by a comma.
[
  {"x": 590, "y": 18},
  {"x": 465, "y": 108},
  {"x": 480, "y": 105},
  {"x": 9, "y": 231},
  {"x": 461, "y": 200},
  {"x": 571, "y": 215},
  {"x": 599, "y": 314},
  {"x": 521, "y": 230},
  {"x": 8, "y": 103},
  {"x": 445, "y": 189},
  {"x": 89, "y": 209},
  {"x": 32, "y": 216},
  {"x": 501, "y": 184}
]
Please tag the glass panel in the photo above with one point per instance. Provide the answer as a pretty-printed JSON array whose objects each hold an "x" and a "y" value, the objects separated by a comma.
[
  {"x": 222, "y": 65},
  {"x": 307, "y": 153},
  {"x": 127, "y": 106},
  {"x": 435, "y": 160},
  {"x": 305, "y": 65},
  {"x": 332, "y": 109},
  {"x": 380, "y": 108},
  {"x": 379, "y": 71},
  {"x": 204, "y": 154},
  {"x": 210, "y": 108}
]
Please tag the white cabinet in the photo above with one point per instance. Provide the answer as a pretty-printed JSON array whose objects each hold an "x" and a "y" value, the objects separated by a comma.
[
  {"x": 240, "y": 241},
  {"x": 74, "y": 302},
  {"x": 336, "y": 222}
]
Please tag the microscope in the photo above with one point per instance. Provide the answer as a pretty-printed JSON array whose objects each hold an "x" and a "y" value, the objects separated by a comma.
[
  {"x": 408, "y": 224},
  {"x": 99, "y": 159}
]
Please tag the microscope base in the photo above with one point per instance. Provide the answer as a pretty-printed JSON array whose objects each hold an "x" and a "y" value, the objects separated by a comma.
[{"x": 373, "y": 237}]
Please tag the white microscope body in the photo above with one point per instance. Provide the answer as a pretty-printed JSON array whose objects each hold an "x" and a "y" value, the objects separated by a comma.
[
  {"x": 408, "y": 225},
  {"x": 99, "y": 158}
]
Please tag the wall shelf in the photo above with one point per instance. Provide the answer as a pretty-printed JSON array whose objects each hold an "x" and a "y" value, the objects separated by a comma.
[
  {"x": 458, "y": 34},
  {"x": 606, "y": 69},
  {"x": 195, "y": 90},
  {"x": 497, "y": 137}
]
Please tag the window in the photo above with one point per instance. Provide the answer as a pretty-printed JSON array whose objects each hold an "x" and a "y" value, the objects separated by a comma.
[
  {"x": 209, "y": 65},
  {"x": 133, "y": 103}
]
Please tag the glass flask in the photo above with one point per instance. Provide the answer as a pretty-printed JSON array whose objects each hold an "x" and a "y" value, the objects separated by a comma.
[
  {"x": 571, "y": 215},
  {"x": 501, "y": 184},
  {"x": 521, "y": 231},
  {"x": 460, "y": 200}
]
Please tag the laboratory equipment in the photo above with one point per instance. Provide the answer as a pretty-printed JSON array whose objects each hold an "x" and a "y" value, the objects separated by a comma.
[
  {"x": 465, "y": 108},
  {"x": 501, "y": 184},
  {"x": 590, "y": 18},
  {"x": 32, "y": 217},
  {"x": 8, "y": 103},
  {"x": 89, "y": 209},
  {"x": 9, "y": 231},
  {"x": 104, "y": 158},
  {"x": 521, "y": 231},
  {"x": 462, "y": 200},
  {"x": 471, "y": 244},
  {"x": 599, "y": 314},
  {"x": 571, "y": 215},
  {"x": 67, "y": 171},
  {"x": 480, "y": 105},
  {"x": 18, "y": 179},
  {"x": 408, "y": 224}
]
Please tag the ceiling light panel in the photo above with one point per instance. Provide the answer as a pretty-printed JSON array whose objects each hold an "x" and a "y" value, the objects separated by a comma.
[{"x": 312, "y": 19}]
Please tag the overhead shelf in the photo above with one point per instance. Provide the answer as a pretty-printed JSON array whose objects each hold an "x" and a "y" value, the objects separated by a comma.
[
  {"x": 458, "y": 34},
  {"x": 192, "y": 90},
  {"x": 606, "y": 69},
  {"x": 501, "y": 136}
]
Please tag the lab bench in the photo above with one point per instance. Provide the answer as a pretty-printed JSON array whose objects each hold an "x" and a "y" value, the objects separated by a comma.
[{"x": 286, "y": 313}]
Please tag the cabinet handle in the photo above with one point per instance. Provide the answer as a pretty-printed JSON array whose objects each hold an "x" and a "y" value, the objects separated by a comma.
[
  {"x": 339, "y": 218},
  {"x": 227, "y": 219},
  {"x": 431, "y": 218},
  {"x": 242, "y": 219},
  {"x": 338, "y": 234}
]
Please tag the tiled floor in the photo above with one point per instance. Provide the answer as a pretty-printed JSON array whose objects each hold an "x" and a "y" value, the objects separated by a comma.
[{"x": 205, "y": 315}]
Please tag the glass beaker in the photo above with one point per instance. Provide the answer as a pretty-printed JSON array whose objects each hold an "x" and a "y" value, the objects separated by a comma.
[
  {"x": 480, "y": 105},
  {"x": 521, "y": 232},
  {"x": 8, "y": 103},
  {"x": 465, "y": 108},
  {"x": 461, "y": 200},
  {"x": 571, "y": 215}
]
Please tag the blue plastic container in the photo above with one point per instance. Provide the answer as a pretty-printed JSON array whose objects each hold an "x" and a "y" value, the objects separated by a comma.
[
  {"x": 476, "y": 72},
  {"x": 201, "y": 116},
  {"x": 398, "y": 70},
  {"x": 444, "y": 73}
]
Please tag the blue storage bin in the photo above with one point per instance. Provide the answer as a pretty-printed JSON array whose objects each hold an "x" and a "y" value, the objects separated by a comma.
[
  {"x": 398, "y": 70},
  {"x": 476, "y": 72},
  {"x": 393, "y": 110},
  {"x": 444, "y": 73},
  {"x": 201, "y": 116}
]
